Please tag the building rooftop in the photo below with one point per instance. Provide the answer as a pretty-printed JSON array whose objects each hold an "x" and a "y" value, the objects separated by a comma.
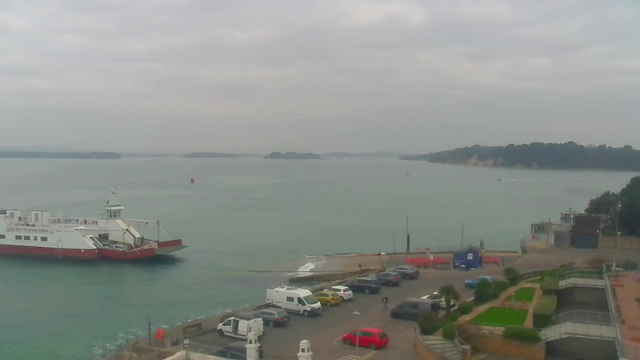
[{"x": 627, "y": 288}]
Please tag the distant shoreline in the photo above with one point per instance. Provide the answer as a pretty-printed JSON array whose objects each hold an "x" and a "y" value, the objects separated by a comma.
[
  {"x": 292, "y": 156},
  {"x": 59, "y": 155}
]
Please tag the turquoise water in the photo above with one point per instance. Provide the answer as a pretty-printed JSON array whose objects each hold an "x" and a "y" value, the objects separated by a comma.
[{"x": 246, "y": 214}]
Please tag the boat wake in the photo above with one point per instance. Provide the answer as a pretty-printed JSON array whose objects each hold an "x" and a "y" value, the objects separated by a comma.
[{"x": 306, "y": 268}]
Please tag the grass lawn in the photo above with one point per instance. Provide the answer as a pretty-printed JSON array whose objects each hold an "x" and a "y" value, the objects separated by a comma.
[
  {"x": 534, "y": 281},
  {"x": 525, "y": 294},
  {"x": 497, "y": 316}
]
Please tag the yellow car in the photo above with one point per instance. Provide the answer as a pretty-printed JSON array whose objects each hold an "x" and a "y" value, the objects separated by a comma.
[{"x": 329, "y": 298}]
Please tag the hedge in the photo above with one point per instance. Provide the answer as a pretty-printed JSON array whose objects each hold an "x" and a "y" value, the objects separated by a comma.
[
  {"x": 501, "y": 285},
  {"x": 449, "y": 331},
  {"x": 550, "y": 285},
  {"x": 485, "y": 291},
  {"x": 521, "y": 334},
  {"x": 451, "y": 317},
  {"x": 543, "y": 311},
  {"x": 429, "y": 323},
  {"x": 465, "y": 307}
]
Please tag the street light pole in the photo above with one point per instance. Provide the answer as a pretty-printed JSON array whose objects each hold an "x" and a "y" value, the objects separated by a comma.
[
  {"x": 357, "y": 335},
  {"x": 617, "y": 231}
]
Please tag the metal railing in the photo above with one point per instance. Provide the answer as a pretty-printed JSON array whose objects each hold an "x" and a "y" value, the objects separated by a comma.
[
  {"x": 573, "y": 329},
  {"x": 588, "y": 273},
  {"x": 582, "y": 316},
  {"x": 626, "y": 350}
]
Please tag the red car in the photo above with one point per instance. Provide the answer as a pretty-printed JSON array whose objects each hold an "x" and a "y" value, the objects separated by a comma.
[{"x": 368, "y": 337}]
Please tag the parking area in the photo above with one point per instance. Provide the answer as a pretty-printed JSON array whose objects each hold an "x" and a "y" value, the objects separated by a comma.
[{"x": 325, "y": 331}]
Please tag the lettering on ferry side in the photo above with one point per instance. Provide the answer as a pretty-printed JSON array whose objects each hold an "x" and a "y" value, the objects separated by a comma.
[{"x": 29, "y": 230}]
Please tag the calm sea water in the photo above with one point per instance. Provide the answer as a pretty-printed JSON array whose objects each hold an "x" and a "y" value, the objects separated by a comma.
[{"x": 246, "y": 214}]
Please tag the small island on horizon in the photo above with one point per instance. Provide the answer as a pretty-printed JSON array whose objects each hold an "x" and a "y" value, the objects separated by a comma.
[
  {"x": 538, "y": 155},
  {"x": 9, "y": 154},
  {"x": 292, "y": 155},
  {"x": 211, "y": 155}
]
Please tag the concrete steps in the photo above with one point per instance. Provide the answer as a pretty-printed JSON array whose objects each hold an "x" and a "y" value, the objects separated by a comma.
[{"x": 446, "y": 349}]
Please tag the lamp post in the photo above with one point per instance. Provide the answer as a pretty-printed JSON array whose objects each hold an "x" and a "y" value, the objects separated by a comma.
[
  {"x": 357, "y": 335},
  {"x": 185, "y": 347},
  {"x": 617, "y": 231}
]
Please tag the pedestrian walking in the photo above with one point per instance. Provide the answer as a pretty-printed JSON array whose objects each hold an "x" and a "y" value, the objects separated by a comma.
[
  {"x": 360, "y": 265},
  {"x": 385, "y": 301}
]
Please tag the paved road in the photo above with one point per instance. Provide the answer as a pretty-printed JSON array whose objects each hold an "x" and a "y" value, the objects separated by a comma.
[{"x": 324, "y": 332}]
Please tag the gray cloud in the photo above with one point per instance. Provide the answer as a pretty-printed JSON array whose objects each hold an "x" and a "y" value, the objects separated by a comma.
[{"x": 185, "y": 75}]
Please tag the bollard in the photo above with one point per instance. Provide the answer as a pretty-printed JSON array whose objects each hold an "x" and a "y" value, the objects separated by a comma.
[
  {"x": 253, "y": 347},
  {"x": 305, "y": 350}
]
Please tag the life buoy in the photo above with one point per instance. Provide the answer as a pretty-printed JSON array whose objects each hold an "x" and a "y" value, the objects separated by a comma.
[{"x": 159, "y": 334}]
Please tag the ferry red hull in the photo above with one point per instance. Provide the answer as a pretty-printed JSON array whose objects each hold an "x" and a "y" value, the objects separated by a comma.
[
  {"x": 36, "y": 251},
  {"x": 92, "y": 254}
]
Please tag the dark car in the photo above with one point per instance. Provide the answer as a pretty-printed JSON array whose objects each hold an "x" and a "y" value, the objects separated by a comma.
[
  {"x": 389, "y": 278},
  {"x": 411, "y": 309},
  {"x": 365, "y": 285},
  {"x": 236, "y": 351},
  {"x": 273, "y": 317},
  {"x": 407, "y": 272}
]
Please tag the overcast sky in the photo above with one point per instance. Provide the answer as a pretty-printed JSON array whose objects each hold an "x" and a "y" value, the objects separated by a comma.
[{"x": 261, "y": 76}]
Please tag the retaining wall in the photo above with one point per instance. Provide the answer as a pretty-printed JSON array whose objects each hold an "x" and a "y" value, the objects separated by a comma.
[
  {"x": 626, "y": 243},
  {"x": 498, "y": 346}
]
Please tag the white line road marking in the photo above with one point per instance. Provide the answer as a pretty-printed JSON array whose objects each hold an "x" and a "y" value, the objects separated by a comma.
[{"x": 337, "y": 341}]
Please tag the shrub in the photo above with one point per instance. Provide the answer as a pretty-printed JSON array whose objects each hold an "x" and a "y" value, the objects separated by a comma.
[
  {"x": 451, "y": 317},
  {"x": 485, "y": 291},
  {"x": 465, "y": 307},
  {"x": 543, "y": 311},
  {"x": 512, "y": 275},
  {"x": 501, "y": 285},
  {"x": 521, "y": 334},
  {"x": 429, "y": 323},
  {"x": 550, "y": 285},
  {"x": 449, "y": 331}
]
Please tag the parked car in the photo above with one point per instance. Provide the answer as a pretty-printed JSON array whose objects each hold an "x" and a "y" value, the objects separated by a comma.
[
  {"x": 407, "y": 272},
  {"x": 273, "y": 316},
  {"x": 236, "y": 351},
  {"x": 367, "y": 337},
  {"x": 411, "y": 308},
  {"x": 365, "y": 285},
  {"x": 343, "y": 291},
  {"x": 389, "y": 278},
  {"x": 440, "y": 300},
  {"x": 329, "y": 298},
  {"x": 472, "y": 283},
  {"x": 293, "y": 299},
  {"x": 241, "y": 325}
]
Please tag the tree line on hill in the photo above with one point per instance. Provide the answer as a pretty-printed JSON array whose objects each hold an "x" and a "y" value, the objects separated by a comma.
[
  {"x": 623, "y": 207},
  {"x": 540, "y": 155}
]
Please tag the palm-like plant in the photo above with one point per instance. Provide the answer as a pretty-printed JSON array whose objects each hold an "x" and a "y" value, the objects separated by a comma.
[{"x": 449, "y": 293}]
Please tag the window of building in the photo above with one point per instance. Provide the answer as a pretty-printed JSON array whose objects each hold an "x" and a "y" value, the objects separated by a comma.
[
  {"x": 1, "y": 236},
  {"x": 27, "y": 237},
  {"x": 18, "y": 237},
  {"x": 35, "y": 238},
  {"x": 470, "y": 256},
  {"x": 43, "y": 238}
]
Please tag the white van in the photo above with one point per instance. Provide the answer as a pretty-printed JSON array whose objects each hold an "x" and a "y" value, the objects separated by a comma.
[
  {"x": 241, "y": 325},
  {"x": 293, "y": 299}
]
